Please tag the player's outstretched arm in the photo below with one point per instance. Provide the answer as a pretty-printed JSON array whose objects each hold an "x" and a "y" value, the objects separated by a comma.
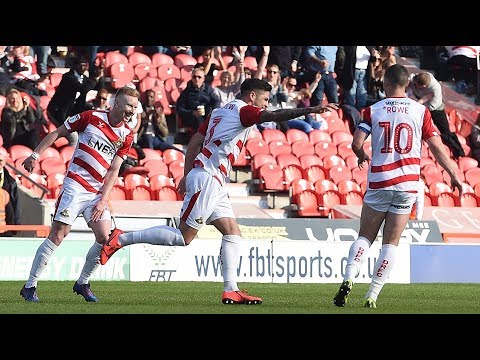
[
  {"x": 29, "y": 162},
  {"x": 194, "y": 147},
  {"x": 288, "y": 114}
]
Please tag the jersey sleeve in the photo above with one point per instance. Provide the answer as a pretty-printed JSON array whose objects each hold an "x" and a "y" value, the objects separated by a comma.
[
  {"x": 366, "y": 123},
  {"x": 78, "y": 122},
  {"x": 250, "y": 115},
  {"x": 428, "y": 129}
]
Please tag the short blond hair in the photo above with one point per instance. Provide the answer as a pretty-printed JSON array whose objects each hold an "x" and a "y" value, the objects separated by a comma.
[{"x": 128, "y": 90}]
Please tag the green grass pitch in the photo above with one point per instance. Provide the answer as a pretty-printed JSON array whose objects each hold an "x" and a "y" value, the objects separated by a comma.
[{"x": 117, "y": 297}]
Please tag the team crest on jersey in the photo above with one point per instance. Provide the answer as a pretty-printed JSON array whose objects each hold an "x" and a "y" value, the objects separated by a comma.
[
  {"x": 64, "y": 213},
  {"x": 118, "y": 143},
  {"x": 199, "y": 220}
]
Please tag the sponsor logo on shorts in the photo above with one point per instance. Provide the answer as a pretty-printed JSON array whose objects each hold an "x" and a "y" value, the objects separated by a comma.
[
  {"x": 402, "y": 206},
  {"x": 64, "y": 213},
  {"x": 199, "y": 220}
]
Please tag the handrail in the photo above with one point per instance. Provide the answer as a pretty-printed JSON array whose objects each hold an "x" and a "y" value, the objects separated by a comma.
[
  {"x": 40, "y": 230},
  {"x": 45, "y": 190}
]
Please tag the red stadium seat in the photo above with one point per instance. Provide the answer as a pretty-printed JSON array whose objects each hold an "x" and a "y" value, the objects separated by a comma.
[
  {"x": 260, "y": 159},
  {"x": 472, "y": 176},
  {"x": 359, "y": 175},
  {"x": 467, "y": 163},
  {"x": 151, "y": 154},
  {"x": 432, "y": 174},
  {"x": 302, "y": 147},
  {"x": 160, "y": 59},
  {"x": 447, "y": 199},
  {"x": 156, "y": 167},
  {"x": 158, "y": 181},
  {"x": 315, "y": 173},
  {"x": 66, "y": 153},
  {"x": 50, "y": 152},
  {"x": 118, "y": 193},
  {"x": 323, "y": 149},
  {"x": 339, "y": 173},
  {"x": 53, "y": 166},
  {"x": 250, "y": 62},
  {"x": 256, "y": 146},
  {"x": 327, "y": 201},
  {"x": 438, "y": 188},
  {"x": 270, "y": 135},
  {"x": 346, "y": 186},
  {"x": 351, "y": 162},
  {"x": 340, "y": 137},
  {"x": 294, "y": 135},
  {"x": 176, "y": 168},
  {"x": 324, "y": 185},
  {"x": 271, "y": 177},
  {"x": 166, "y": 193},
  {"x": 149, "y": 82},
  {"x": 296, "y": 187},
  {"x": 330, "y": 161},
  {"x": 54, "y": 184},
  {"x": 315, "y": 136},
  {"x": 121, "y": 74},
  {"x": 308, "y": 204},
  {"x": 352, "y": 198},
  {"x": 344, "y": 150},
  {"x": 114, "y": 57},
  {"x": 171, "y": 155},
  {"x": 182, "y": 60},
  {"x": 161, "y": 99},
  {"x": 277, "y": 147},
  {"x": 17, "y": 151},
  {"x": 134, "y": 180},
  {"x": 136, "y": 58},
  {"x": 307, "y": 161},
  {"x": 141, "y": 193},
  {"x": 143, "y": 70},
  {"x": 291, "y": 172},
  {"x": 168, "y": 71},
  {"x": 287, "y": 159},
  {"x": 469, "y": 200}
]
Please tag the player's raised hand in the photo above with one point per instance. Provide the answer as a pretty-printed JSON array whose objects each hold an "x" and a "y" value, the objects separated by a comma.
[{"x": 29, "y": 164}]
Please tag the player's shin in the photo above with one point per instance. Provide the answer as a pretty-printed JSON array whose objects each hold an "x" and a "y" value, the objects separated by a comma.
[
  {"x": 43, "y": 254},
  {"x": 356, "y": 257},
  {"x": 157, "y": 235},
  {"x": 383, "y": 268},
  {"x": 229, "y": 257}
]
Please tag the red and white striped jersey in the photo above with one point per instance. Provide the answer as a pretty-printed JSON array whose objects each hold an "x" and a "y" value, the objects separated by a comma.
[
  {"x": 98, "y": 143},
  {"x": 398, "y": 126},
  {"x": 226, "y": 131}
]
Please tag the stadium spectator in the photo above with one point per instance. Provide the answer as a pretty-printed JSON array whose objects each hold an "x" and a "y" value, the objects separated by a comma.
[
  {"x": 207, "y": 64},
  {"x": 100, "y": 102},
  {"x": 428, "y": 91},
  {"x": 20, "y": 122},
  {"x": 24, "y": 73},
  {"x": 210, "y": 155},
  {"x": 355, "y": 75},
  {"x": 10, "y": 212},
  {"x": 6, "y": 61},
  {"x": 462, "y": 65},
  {"x": 70, "y": 96},
  {"x": 197, "y": 100},
  {"x": 104, "y": 142},
  {"x": 397, "y": 126},
  {"x": 286, "y": 57},
  {"x": 228, "y": 87},
  {"x": 42, "y": 52},
  {"x": 321, "y": 59}
]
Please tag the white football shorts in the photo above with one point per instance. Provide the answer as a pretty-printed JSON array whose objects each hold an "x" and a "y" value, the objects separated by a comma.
[
  {"x": 397, "y": 202},
  {"x": 73, "y": 201},
  {"x": 205, "y": 200}
]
